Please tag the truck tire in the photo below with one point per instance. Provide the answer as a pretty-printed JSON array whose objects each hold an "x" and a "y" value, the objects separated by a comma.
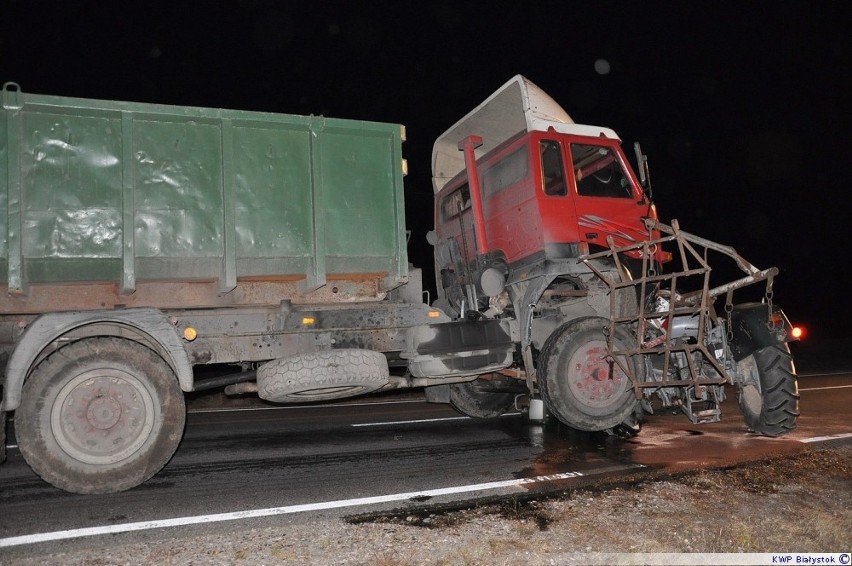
[
  {"x": 478, "y": 399},
  {"x": 100, "y": 415},
  {"x": 320, "y": 376},
  {"x": 769, "y": 400},
  {"x": 626, "y": 301},
  {"x": 578, "y": 386}
]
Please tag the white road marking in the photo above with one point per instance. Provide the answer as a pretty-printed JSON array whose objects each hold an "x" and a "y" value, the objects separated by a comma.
[
  {"x": 413, "y": 421},
  {"x": 416, "y": 421},
  {"x": 827, "y": 438},
  {"x": 828, "y": 373},
  {"x": 821, "y": 388},
  {"x": 255, "y": 513}
]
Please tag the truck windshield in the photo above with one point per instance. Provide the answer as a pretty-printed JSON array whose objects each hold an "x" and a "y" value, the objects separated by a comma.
[{"x": 599, "y": 173}]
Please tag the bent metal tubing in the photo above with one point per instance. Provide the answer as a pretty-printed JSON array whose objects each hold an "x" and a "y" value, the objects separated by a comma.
[{"x": 691, "y": 262}]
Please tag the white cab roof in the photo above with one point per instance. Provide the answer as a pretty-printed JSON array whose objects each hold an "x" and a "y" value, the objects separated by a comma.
[{"x": 517, "y": 106}]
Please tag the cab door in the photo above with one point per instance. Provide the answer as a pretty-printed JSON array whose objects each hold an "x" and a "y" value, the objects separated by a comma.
[
  {"x": 607, "y": 197},
  {"x": 556, "y": 207}
]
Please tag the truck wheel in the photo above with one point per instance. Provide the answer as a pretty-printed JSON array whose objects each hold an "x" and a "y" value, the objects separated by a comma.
[
  {"x": 578, "y": 385},
  {"x": 479, "y": 400},
  {"x": 769, "y": 400},
  {"x": 320, "y": 376},
  {"x": 100, "y": 415}
]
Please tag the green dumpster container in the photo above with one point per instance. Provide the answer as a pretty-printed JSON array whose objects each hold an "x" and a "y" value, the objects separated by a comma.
[{"x": 123, "y": 193}]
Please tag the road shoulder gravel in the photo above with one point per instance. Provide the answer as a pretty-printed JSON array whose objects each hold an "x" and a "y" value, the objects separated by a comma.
[{"x": 794, "y": 504}]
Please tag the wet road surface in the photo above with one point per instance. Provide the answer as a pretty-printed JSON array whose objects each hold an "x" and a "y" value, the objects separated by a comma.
[{"x": 293, "y": 458}]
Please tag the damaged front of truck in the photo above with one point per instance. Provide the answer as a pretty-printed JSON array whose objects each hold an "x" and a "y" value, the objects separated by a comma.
[{"x": 542, "y": 223}]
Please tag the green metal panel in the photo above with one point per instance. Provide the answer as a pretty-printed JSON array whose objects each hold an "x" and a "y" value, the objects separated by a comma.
[
  {"x": 353, "y": 168},
  {"x": 72, "y": 186},
  {"x": 228, "y": 278},
  {"x": 128, "y": 244},
  {"x": 6, "y": 180},
  {"x": 178, "y": 167},
  {"x": 273, "y": 166},
  {"x": 128, "y": 192},
  {"x": 13, "y": 247},
  {"x": 7, "y": 177},
  {"x": 317, "y": 265}
]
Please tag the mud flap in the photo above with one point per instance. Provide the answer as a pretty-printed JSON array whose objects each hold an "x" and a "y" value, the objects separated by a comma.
[
  {"x": 459, "y": 348},
  {"x": 752, "y": 329}
]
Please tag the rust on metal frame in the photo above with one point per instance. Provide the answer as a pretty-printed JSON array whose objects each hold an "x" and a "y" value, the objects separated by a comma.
[
  {"x": 176, "y": 295},
  {"x": 692, "y": 252}
]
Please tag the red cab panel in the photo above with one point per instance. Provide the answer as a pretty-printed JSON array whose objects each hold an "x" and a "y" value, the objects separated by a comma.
[{"x": 545, "y": 194}]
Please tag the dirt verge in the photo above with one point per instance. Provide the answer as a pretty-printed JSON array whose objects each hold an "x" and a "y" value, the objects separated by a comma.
[{"x": 794, "y": 504}]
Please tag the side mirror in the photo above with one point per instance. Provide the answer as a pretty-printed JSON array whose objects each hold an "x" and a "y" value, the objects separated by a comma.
[
  {"x": 644, "y": 172},
  {"x": 641, "y": 163}
]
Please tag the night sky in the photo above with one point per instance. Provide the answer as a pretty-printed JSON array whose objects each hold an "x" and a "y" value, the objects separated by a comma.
[{"x": 742, "y": 107}]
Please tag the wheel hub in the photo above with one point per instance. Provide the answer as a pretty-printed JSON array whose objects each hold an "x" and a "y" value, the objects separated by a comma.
[
  {"x": 595, "y": 379},
  {"x": 102, "y": 416},
  {"x": 103, "y": 412}
]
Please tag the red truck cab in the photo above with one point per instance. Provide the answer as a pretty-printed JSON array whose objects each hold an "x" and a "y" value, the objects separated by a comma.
[{"x": 549, "y": 188}]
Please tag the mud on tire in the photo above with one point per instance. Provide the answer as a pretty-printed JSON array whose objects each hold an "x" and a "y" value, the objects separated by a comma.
[
  {"x": 100, "y": 415},
  {"x": 769, "y": 400}
]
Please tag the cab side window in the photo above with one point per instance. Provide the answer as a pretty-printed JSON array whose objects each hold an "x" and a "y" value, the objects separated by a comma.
[
  {"x": 508, "y": 171},
  {"x": 599, "y": 173},
  {"x": 552, "y": 169},
  {"x": 455, "y": 203}
]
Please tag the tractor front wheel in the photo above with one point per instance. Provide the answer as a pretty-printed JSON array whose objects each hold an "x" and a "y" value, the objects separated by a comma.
[{"x": 580, "y": 383}]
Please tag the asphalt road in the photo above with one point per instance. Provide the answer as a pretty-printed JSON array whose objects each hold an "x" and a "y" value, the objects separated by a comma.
[{"x": 249, "y": 466}]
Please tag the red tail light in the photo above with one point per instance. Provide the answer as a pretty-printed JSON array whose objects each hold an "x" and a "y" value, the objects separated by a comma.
[{"x": 798, "y": 332}]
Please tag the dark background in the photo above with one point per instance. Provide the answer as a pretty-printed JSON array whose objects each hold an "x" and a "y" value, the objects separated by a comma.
[{"x": 742, "y": 107}]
